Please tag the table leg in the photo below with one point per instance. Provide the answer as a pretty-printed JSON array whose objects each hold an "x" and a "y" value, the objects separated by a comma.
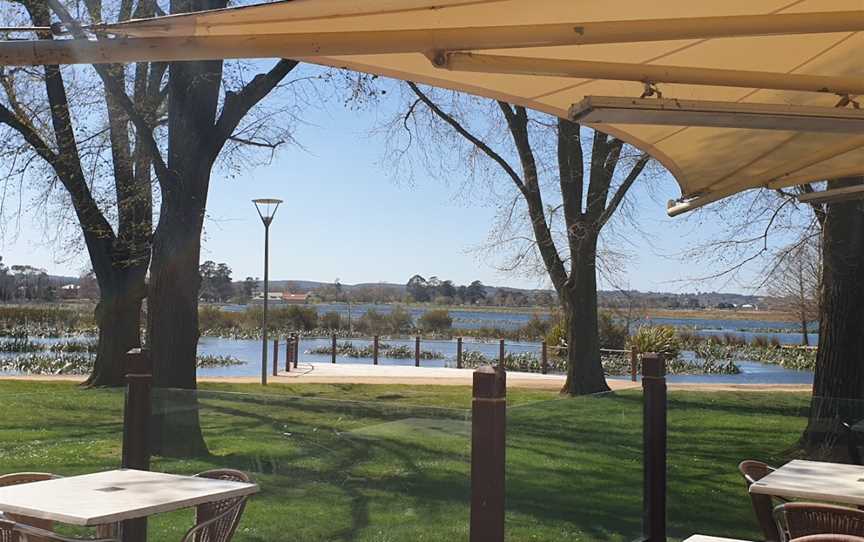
[{"x": 134, "y": 530}]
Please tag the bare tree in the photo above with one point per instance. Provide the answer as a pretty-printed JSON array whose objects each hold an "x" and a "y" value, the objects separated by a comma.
[
  {"x": 589, "y": 192},
  {"x": 103, "y": 169},
  {"x": 795, "y": 279},
  {"x": 172, "y": 133}
]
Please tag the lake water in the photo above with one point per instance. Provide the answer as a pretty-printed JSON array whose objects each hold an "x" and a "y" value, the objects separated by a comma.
[{"x": 249, "y": 351}]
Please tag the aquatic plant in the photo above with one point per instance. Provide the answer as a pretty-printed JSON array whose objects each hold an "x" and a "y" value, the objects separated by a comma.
[{"x": 658, "y": 339}]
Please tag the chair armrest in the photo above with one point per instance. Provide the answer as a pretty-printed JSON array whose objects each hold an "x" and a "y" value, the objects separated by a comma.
[
  {"x": 190, "y": 534},
  {"x": 28, "y": 530}
]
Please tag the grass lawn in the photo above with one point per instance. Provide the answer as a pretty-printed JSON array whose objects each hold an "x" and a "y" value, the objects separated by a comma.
[{"x": 390, "y": 463}]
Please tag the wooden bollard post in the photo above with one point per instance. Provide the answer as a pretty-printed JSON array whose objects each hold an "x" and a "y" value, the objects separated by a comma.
[
  {"x": 136, "y": 427},
  {"x": 375, "y": 350},
  {"x": 289, "y": 351},
  {"x": 501, "y": 353},
  {"x": 654, "y": 446},
  {"x": 333, "y": 351},
  {"x": 458, "y": 352},
  {"x": 297, "y": 338},
  {"x": 275, "y": 357},
  {"x": 544, "y": 359},
  {"x": 634, "y": 362},
  {"x": 488, "y": 445},
  {"x": 417, "y": 351}
]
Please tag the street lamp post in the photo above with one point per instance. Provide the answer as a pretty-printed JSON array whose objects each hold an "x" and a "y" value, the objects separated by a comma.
[{"x": 266, "y": 208}]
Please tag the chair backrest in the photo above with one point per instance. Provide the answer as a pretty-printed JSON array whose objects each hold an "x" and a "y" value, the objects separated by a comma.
[
  {"x": 829, "y": 538},
  {"x": 800, "y": 519},
  {"x": 28, "y": 533},
  {"x": 8, "y": 532},
  {"x": 26, "y": 478},
  {"x": 217, "y": 521},
  {"x": 763, "y": 506}
]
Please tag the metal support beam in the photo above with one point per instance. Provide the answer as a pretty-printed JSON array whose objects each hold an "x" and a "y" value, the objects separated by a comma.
[
  {"x": 497, "y": 37},
  {"x": 193, "y": 37},
  {"x": 835, "y": 194},
  {"x": 647, "y": 73}
]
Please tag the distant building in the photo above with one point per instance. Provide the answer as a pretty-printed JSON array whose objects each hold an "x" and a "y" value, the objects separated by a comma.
[
  {"x": 281, "y": 298},
  {"x": 271, "y": 296},
  {"x": 748, "y": 306},
  {"x": 69, "y": 291},
  {"x": 295, "y": 299}
]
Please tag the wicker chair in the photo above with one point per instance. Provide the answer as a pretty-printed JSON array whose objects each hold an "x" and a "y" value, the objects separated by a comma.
[
  {"x": 217, "y": 521},
  {"x": 800, "y": 519},
  {"x": 8, "y": 532},
  {"x": 26, "y": 478},
  {"x": 829, "y": 538},
  {"x": 763, "y": 505},
  {"x": 26, "y": 533}
]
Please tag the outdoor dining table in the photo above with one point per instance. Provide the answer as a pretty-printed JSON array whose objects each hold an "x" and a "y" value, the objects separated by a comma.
[
  {"x": 815, "y": 480},
  {"x": 113, "y": 496}
]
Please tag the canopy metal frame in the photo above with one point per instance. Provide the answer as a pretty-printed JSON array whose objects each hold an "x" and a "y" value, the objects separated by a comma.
[{"x": 247, "y": 32}]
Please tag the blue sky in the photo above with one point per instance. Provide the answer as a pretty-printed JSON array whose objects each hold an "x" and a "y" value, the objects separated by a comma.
[{"x": 345, "y": 216}]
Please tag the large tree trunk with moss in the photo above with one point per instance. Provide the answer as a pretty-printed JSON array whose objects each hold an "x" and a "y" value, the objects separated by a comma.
[
  {"x": 838, "y": 384},
  {"x": 584, "y": 370}
]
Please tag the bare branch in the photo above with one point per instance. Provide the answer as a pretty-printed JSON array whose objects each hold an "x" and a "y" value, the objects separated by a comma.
[{"x": 456, "y": 125}]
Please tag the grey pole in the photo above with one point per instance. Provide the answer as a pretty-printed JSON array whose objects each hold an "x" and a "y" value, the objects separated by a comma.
[
  {"x": 266, "y": 292},
  {"x": 266, "y": 215}
]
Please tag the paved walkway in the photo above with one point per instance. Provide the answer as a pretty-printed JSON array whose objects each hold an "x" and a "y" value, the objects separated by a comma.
[
  {"x": 355, "y": 373},
  {"x": 329, "y": 373}
]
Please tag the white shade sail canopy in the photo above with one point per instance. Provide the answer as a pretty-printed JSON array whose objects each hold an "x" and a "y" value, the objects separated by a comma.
[{"x": 551, "y": 54}]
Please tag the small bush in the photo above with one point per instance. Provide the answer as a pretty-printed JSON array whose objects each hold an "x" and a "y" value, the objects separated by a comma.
[
  {"x": 536, "y": 327},
  {"x": 612, "y": 334},
  {"x": 733, "y": 340},
  {"x": 657, "y": 339},
  {"x": 689, "y": 338},
  {"x": 372, "y": 322},
  {"x": 399, "y": 321},
  {"x": 210, "y": 317},
  {"x": 435, "y": 320},
  {"x": 331, "y": 320},
  {"x": 556, "y": 340},
  {"x": 759, "y": 342},
  {"x": 775, "y": 342}
]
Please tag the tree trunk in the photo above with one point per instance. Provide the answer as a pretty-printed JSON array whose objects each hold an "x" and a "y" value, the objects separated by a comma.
[
  {"x": 172, "y": 323},
  {"x": 175, "y": 281},
  {"x": 118, "y": 315},
  {"x": 584, "y": 370},
  {"x": 838, "y": 383},
  {"x": 805, "y": 338}
]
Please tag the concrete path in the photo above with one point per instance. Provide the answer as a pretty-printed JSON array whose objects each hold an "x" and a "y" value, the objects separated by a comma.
[{"x": 351, "y": 373}]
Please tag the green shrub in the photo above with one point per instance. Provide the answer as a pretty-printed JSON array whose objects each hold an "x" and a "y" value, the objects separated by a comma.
[
  {"x": 556, "y": 340},
  {"x": 372, "y": 322},
  {"x": 399, "y": 321},
  {"x": 657, "y": 339},
  {"x": 435, "y": 320},
  {"x": 210, "y": 317},
  {"x": 536, "y": 328},
  {"x": 611, "y": 334},
  {"x": 331, "y": 320}
]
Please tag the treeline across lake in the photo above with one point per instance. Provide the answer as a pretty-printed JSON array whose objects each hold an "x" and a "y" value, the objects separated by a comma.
[{"x": 398, "y": 321}]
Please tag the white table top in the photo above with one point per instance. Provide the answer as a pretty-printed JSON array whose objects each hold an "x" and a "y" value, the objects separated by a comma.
[
  {"x": 108, "y": 497},
  {"x": 815, "y": 480}
]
